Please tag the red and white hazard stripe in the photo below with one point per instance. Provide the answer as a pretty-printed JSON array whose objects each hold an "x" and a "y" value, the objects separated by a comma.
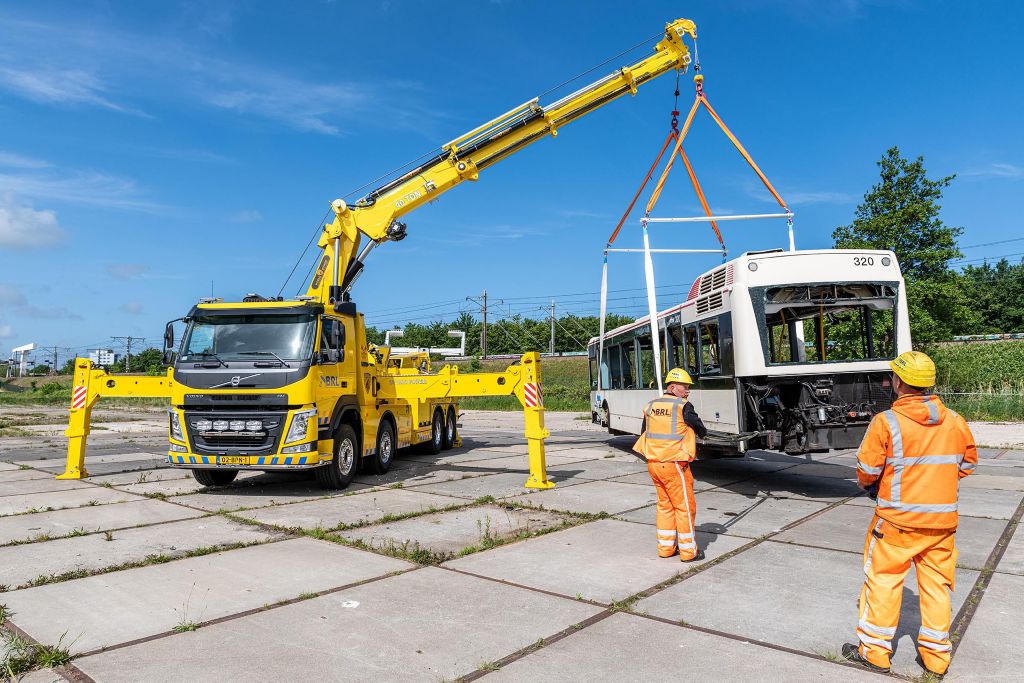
[
  {"x": 78, "y": 396},
  {"x": 532, "y": 395}
]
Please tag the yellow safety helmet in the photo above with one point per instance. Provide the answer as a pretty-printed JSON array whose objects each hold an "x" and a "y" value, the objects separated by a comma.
[
  {"x": 678, "y": 375},
  {"x": 914, "y": 368}
]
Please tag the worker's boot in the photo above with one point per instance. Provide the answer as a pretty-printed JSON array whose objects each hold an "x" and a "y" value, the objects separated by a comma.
[
  {"x": 852, "y": 654},
  {"x": 696, "y": 558},
  {"x": 934, "y": 674}
]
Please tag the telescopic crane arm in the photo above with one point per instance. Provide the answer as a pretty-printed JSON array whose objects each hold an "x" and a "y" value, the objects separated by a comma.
[{"x": 376, "y": 216}]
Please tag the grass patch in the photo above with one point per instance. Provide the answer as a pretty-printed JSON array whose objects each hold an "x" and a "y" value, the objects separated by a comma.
[
  {"x": 156, "y": 558},
  {"x": 23, "y": 656},
  {"x": 566, "y": 384},
  {"x": 185, "y": 627}
]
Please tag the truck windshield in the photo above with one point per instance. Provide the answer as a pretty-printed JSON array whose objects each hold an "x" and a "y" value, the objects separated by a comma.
[
  {"x": 239, "y": 337},
  {"x": 829, "y": 322}
]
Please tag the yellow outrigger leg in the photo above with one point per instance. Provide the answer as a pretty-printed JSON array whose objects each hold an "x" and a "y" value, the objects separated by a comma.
[{"x": 89, "y": 385}]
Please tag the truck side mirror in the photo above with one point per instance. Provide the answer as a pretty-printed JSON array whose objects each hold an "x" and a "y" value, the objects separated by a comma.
[
  {"x": 339, "y": 341},
  {"x": 168, "y": 355}
]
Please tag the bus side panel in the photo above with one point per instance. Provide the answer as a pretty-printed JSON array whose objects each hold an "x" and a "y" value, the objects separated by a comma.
[
  {"x": 626, "y": 408},
  {"x": 717, "y": 408}
]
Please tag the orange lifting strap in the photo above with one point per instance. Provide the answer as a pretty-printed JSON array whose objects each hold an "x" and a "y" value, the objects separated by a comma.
[{"x": 679, "y": 136}]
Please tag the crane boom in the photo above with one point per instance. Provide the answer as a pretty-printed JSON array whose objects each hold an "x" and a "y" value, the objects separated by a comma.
[{"x": 376, "y": 216}]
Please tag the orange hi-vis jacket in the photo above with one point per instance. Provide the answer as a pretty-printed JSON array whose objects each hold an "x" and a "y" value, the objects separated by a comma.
[
  {"x": 667, "y": 437},
  {"x": 917, "y": 452}
]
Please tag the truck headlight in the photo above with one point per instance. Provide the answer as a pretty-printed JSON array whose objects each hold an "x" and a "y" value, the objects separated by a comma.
[
  {"x": 203, "y": 425},
  {"x": 175, "y": 424},
  {"x": 299, "y": 426}
]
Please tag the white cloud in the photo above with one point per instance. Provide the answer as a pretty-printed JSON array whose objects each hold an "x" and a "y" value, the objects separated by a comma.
[
  {"x": 9, "y": 160},
  {"x": 88, "y": 188},
  {"x": 59, "y": 86},
  {"x": 132, "y": 308},
  {"x": 11, "y": 295},
  {"x": 995, "y": 170},
  {"x": 126, "y": 271},
  {"x": 22, "y": 227},
  {"x": 6, "y": 331},
  {"x": 802, "y": 197},
  {"x": 49, "y": 313},
  {"x": 247, "y": 216}
]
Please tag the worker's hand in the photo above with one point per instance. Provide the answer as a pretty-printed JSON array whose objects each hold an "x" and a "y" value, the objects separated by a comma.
[{"x": 872, "y": 491}]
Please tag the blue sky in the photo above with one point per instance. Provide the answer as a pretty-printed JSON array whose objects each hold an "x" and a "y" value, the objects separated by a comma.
[{"x": 151, "y": 152}]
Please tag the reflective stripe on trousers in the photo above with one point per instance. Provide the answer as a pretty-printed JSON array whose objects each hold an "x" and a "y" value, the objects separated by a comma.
[{"x": 676, "y": 509}]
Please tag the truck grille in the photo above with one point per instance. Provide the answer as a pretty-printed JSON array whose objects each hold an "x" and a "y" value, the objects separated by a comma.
[{"x": 232, "y": 442}]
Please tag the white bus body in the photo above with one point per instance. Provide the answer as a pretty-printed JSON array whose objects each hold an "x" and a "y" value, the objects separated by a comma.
[{"x": 789, "y": 350}]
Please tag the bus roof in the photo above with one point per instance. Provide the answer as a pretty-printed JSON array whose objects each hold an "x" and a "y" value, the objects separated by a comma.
[{"x": 726, "y": 270}]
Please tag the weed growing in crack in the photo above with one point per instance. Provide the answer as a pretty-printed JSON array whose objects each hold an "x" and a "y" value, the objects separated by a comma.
[{"x": 108, "y": 536}]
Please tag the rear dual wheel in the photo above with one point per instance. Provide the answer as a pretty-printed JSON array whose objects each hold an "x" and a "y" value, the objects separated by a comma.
[{"x": 451, "y": 429}]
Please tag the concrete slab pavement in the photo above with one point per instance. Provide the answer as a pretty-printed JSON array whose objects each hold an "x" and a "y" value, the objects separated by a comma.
[
  {"x": 644, "y": 479},
  {"x": 74, "y": 497},
  {"x": 349, "y": 510},
  {"x": 18, "y": 474},
  {"x": 452, "y": 531},
  {"x": 1001, "y": 481},
  {"x": 508, "y": 485},
  {"x": 796, "y": 597},
  {"x": 604, "y": 561},
  {"x": 625, "y": 647},
  {"x": 104, "y": 610},
  {"x": 592, "y": 497},
  {"x": 39, "y": 485},
  {"x": 1012, "y": 561},
  {"x": 58, "y": 523},
  {"x": 425, "y": 625},
  {"x": 237, "y": 497},
  {"x": 990, "y": 647},
  {"x": 721, "y": 512},
  {"x": 20, "y": 565}
]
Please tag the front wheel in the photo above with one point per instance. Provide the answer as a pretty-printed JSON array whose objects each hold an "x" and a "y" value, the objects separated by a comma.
[
  {"x": 339, "y": 472},
  {"x": 384, "y": 454},
  {"x": 215, "y": 477}
]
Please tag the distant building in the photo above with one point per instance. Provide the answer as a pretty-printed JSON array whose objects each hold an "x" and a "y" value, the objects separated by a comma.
[{"x": 103, "y": 357}]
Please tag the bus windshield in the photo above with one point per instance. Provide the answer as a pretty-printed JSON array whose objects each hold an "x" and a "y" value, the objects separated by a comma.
[
  {"x": 247, "y": 337},
  {"x": 833, "y": 322}
]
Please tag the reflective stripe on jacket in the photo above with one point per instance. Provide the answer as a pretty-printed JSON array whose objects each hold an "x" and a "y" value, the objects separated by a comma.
[
  {"x": 917, "y": 452},
  {"x": 667, "y": 437}
]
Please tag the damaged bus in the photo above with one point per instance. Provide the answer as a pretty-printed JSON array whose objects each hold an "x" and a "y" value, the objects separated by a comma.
[{"x": 789, "y": 351}]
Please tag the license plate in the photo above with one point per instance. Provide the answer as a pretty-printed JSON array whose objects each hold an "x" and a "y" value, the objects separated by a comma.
[{"x": 233, "y": 460}]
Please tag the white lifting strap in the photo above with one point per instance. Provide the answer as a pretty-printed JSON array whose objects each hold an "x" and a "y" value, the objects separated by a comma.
[
  {"x": 652, "y": 306},
  {"x": 604, "y": 311}
]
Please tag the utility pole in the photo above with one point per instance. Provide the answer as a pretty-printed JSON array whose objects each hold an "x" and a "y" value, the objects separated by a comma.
[
  {"x": 482, "y": 303},
  {"x": 551, "y": 346},
  {"x": 128, "y": 344}
]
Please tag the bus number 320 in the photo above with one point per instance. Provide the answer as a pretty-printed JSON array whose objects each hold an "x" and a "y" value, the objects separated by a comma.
[{"x": 863, "y": 261}]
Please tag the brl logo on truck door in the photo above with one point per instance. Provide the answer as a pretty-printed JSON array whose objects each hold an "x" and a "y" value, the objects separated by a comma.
[{"x": 329, "y": 381}]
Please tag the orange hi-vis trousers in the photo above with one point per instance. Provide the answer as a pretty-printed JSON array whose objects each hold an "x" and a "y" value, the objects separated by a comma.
[
  {"x": 888, "y": 552},
  {"x": 677, "y": 509}
]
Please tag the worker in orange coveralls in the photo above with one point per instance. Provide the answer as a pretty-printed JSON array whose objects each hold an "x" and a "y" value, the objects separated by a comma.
[
  {"x": 911, "y": 461},
  {"x": 669, "y": 444}
]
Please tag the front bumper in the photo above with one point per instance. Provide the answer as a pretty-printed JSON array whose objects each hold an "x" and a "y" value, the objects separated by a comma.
[{"x": 293, "y": 461}]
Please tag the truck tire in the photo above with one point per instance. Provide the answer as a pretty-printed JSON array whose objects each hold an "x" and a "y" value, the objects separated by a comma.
[
  {"x": 384, "y": 453},
  {"x": 215, "y": 477},
  {"x": 436, "y": 443},
  {"x": 339, "y": 472},
  {"x": 451, "y": 429}
]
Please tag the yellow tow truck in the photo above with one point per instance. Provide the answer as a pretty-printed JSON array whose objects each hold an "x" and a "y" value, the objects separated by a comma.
[{"x": 271, "y": 384}]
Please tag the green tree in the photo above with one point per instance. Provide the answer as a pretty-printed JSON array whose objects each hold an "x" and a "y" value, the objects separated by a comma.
[
  {"x": 147, "y": 362},
  {"x": 901, "y": 213}
]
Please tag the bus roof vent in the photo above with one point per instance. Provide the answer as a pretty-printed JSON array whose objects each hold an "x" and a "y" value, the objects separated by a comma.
[
  {"x": 693, "y": 290},
  {"x": 712, "y": 281},
  {"x": 709, "y": 303}
]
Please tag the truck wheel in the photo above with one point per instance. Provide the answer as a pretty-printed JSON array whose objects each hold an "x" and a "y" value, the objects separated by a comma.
[
  {"x": 436, "y": 443},
  {"x": 384, "y": 454},
  {"x": 215, "y": 477},
  {"x": 451, "y": 429},
  {"x": 342, "y": 468}
]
